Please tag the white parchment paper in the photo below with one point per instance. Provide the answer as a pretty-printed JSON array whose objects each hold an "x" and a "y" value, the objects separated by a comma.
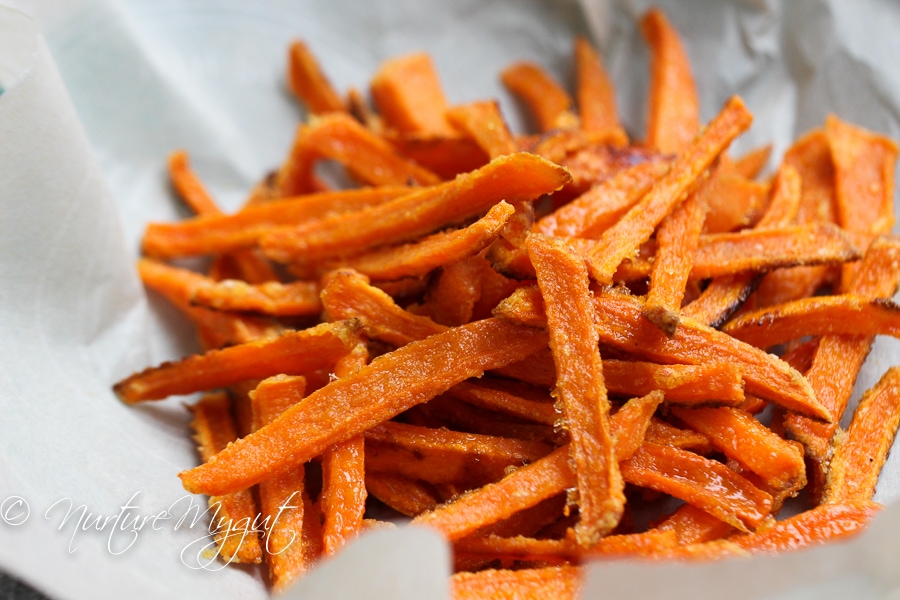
[{"x": 114, "y": 86}]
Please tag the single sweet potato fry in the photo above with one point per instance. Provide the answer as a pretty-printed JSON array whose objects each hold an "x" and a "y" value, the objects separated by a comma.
[
  {"x": 273, "y": 298},
  {"x": 407, "y": 92},
  {"x": 292, "y": 353},
  {"x": 693, "y": 525},
  {"x": 638, "y": 224},
  {"x": 346, "y": 407},
  {"x": 483, "y": 122},
  {"x": 515, "y": 178},
  {"x": 406, "y": 496},
  {"x": 496, "y": 395},
  {"x": 674, "y": 109},
  {"x": 560, "y": 582},
  {"x": 234, "y": 515},
  {"x": 861, "y": 452},
  {"x": 711, "y": 383},
  {"x": 645, "y": 544},
  {"x": 664, "y": 433},
  {"x": 563, "y": 280},
  {"x": 308, "y": 82},
  {"x": 596, "y": 95},
  {"x": 734, "y": 201},
  {"x": 548, "y": 103},
  {"x": 753, "y": 162}
]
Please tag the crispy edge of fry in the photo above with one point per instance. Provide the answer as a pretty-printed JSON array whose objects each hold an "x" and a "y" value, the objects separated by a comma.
[{"x": 484, "y": 123}]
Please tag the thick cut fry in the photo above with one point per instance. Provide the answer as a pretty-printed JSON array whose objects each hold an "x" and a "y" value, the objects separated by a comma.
[
  {"x": 377, "y": 392},
  {"x": 563, "y": 281},
  {"x": 674, "y": 108},
  {"x": 561, "y": 583},
  {"x": 444, "y": 156},
  {"x": 407, "y": 92},
  {"x": 676, "y": 240},
  {"x": 620, "y": 325},
  {"x": 638, "y": 224},
  {"x": 483, "y": 122},
  {"x": 596, "y": 95},
  {"x": 756, "y": 448},
  {"x": 343, "y": 498},
  {"x": 227, "y": 233},
  {"x": 862, "y": 451},
  {"x": 339, "y": 137},
  {"x": 234, "y": 515},
  {"x": 699, "y": 481},
  {"x": 547, "y": 102},
  {"x": 590, "y": 214},
  {"x": 423, "y": 256},
  {"x": 515, "y": 178},
  {"x": 734, "y": 202},
  {"x": 452, "y": 296},
  {"x": 292, "y": 353},
  {"x": 710, "y": 383},
  {"x": 847, "y": 314},
  {"x": 308, "y": 82},
  {"x": 272, "y": 298}
]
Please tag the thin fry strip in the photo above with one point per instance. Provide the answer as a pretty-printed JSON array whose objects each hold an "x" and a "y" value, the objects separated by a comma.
[
  {"x": 547, "y": 102},
  {"x": 707, "y": 383},
  {"x": 515, "y": 178},
  {"x": 699, "y": 481},
  {"x": 289, "y": 552},
  {"x": 753, "y": 162},
  {"x": 377, "y": 392},
  {"x": 234, "y": 515},
  {"x": 496, "y": 398},
  {"x": 847, "y": 314},
  {"x": 596, "y": 95},
  {"x": 343, "y": 498},
  {"x": 860, "y": 454},
  {"x": 601, "y": 206},
  {"x": 561, "y": 583},
  {"x": 452, "y": 295},
  {"x": 563, "y": 281},
  {"x": 308, "y": 82},
  {"x": 693, "y": 525},
  {"x": 676, "y": 240},
  {"x": 188, "y": 185},
  {"x": 664, "y": 433},
  {"x": 720, "y": 254},
  {"x": 645, "y": 544},
  {"x": 674, "y": 108},
  {"x": 407, "y": 92},
  {"x": 483, "y": 122},
  {"x": 724, "y": 295},
  {"x": 630, "y": 423},
  {"x": 227, "y": 233},
  {"x": 406, "y": 496},
  {"x": 273, "y": 298},
  {"x": 756, "y": 448},
  {"x": 638, "y": 224},
  {"x": 339, "y": 137},
  {"x": 291, "y": 353}
]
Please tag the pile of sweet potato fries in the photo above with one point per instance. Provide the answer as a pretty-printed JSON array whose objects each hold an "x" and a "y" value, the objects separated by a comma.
[{"x": 551, "y": 348}]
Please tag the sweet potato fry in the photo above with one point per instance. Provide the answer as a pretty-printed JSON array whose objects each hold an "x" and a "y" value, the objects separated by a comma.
[
  {"x": 753, "y": 162},
  {"x": 620, "y": 325},
  {"x": 676, "y": 245},
  {"x": 638, "y": 224},
  {"x": 515, "y": 178},
  {"x": 563, "y": 280},
  {"x": 406, "y": 496},
  {"x": 645, "y": 544},
  {"x": 407, "y": 92},
  {"x": 444, "y": 156},
  {"x": 227, "y": 233},
  {"x": 664, "y": 433},
  {"x": 561, "y": 582},
  {"x": 188, "y": 185},
  {"x": 692, "y": 525},
  {"x": 596, "y": 95},
  {"x": 699, "y": 481},
  {"x": 483, "y": 122},
  {"x": 711, "y": 383},
  {"x": 292, "y": 353},
  {"x": 277, "y": 299},
  {"x": 674, "y": 108},
  {"x": 339, "y": 137},
  {"x": 734, "y": 201},
  {"x": 308, "y": 82},
  {"x": 421, "y": 257},
  {"x": 234, "y": 515},
  {"x": 862, "y": 451},
  {"x": 451, "y": 297},
  {"x": 547, "y": 102},
  {"x": 348, "y": 406},
  {"x": 846, "y": 314},
  {"x": 497, "y": 395}
]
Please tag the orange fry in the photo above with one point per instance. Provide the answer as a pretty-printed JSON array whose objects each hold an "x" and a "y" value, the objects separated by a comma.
[
  {"x": 189, "y": 186},
  {"x": 862, "y": 451},
  {"x": 407, "y": 92},
  {"x": 699, "y": 481},
  {"x": 497, "y": 395},
  {"x": 674, "y": 112},
  {"x": 308, "y": 83},
  {"x": 515, "y": 178},
  {"x": 734, "y": 201},
  {"x": 846, "y": 314},
  {"x": 339, "y": 137},
  {"x": 234, "y": 514},
  {"x": 547, "y": 102},
  {"x": 693, "y": 525},
  {"x": 596, "y": 95},
  {"x": 710, "y": 383},
  {"x": 406, "y": 496},
  {"x": 753, "y": 162},
  {"x": 638, "y": 224},
  {"x": 561, "y": 583},
  {"x": 563, "y": 280},
  {"x": 272, "y": 298},
  {"x": 348, "y": 406},
  {"x": 292, "y": 353},
  {"x": 483, "y": 122}
]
